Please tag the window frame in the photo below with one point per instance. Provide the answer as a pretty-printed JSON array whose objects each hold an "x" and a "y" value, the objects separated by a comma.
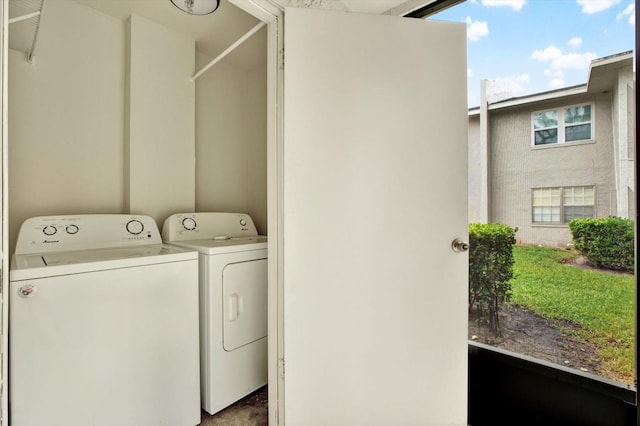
[
  {"x": 562, "y": 205},
  {"x": 562, "y": 126}
]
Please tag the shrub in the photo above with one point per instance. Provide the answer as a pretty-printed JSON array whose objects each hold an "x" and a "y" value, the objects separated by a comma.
[
  {"x": 606, "y": 242},
  {"x": 490, "y": 269}
]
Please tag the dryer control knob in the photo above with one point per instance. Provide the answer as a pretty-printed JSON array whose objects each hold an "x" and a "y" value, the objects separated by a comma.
[
  {"x": 49, "y": 230},
  {"x": 72, "y": 229},
  {"x": 135, "y": 227},
  {"x": 189, "y": 223},
  {"x": 243, "y": 222}
]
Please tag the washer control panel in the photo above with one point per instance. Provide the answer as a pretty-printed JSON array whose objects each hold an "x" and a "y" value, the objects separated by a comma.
[
  {"x": 213, "y": 225},
  {"x": 46, "y": 234}
]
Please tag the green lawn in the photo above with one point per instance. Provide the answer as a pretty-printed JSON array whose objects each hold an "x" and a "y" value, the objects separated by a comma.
[{"x": 600, "y": 303}]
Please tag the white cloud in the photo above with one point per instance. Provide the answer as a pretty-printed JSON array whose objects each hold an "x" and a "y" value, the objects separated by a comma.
[
  {"x": 554, "y": 73},
  {"x": 522, "y": 78},
  {"x": 630, "y": 10},
  {"x": 469, "y": 72},
  {"x": 476, "y": 29},
  {"x": 561, "y": 61},
  {"x": 556, "y": 83},
  {"x": 573, "y": 61},
  {"x": 514, "y": 4},
  {"x": 595, "y": 6},
  {"x": 575, "y": 42},
  {"x": 547, "y": 54}
]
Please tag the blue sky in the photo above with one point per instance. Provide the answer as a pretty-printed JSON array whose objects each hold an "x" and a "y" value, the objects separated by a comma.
[{"x": 532, "y": 46}]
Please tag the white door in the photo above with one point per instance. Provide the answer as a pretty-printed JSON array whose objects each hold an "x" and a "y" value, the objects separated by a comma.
[
  {"x": 244, "y": 292},
  {"x": 374, "y": 192}
]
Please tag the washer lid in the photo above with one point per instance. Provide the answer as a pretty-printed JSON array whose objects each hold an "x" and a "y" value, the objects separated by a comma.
[
  {"x": 41, "y": 265},
  {"x": 231, "y": 245},
  {"x": 48, "y": 234}
]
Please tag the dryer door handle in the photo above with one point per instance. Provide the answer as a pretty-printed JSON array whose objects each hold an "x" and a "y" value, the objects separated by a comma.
[{"x": 235, "y": 304}]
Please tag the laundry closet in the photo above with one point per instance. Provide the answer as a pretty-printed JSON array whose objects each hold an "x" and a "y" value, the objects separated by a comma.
[{"x": 105, "y": 118}]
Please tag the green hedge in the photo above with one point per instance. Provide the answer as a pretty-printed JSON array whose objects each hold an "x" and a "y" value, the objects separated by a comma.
[
  {"x": 490, "y": 269},
  {"x": 606, "y": 242}
]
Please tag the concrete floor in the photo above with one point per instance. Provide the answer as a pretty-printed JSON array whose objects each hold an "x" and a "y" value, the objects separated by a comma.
[{"x": 252, "y": 410}]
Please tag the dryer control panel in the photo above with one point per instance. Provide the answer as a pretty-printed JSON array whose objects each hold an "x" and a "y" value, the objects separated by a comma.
[
  {"x": 215, "y": 225},
  {"x": 46, "y": 234}
]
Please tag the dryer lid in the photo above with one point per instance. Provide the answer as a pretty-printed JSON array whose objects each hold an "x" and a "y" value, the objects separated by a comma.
[{"x": 231, "y": 245}]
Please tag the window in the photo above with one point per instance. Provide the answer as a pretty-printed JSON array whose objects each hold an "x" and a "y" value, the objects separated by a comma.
[
  {"x": 578, "y": 202},
  {"x": 560, "y": 205},
  {"x": 577, "y": 123},
  {"x": 545, "y": 127},
  {"x": 564, "y": 125},
  {"x": 546, "y": 205}
]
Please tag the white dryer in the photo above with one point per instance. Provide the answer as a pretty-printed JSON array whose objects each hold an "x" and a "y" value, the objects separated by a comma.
[
  {"x": 233, "y": 302},
  {"x": 103, "y": 326}
]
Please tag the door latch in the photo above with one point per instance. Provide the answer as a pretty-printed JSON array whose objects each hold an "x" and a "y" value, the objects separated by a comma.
[{"x": 459, "y": 246}]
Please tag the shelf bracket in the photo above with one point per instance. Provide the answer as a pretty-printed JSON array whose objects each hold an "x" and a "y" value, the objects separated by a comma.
[
  {"x": 37, "y": 15},
  {"x": 228, "y": 50}
]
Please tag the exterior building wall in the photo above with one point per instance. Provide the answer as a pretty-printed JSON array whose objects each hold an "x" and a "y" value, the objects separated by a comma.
[
  {"x": 474, "y": 169},
  {"x": 516, "y": 167},
  {"x": 623, "y": 109}
]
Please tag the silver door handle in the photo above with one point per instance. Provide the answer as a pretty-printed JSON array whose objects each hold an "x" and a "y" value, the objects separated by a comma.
[{"x": 459, "y": 246}]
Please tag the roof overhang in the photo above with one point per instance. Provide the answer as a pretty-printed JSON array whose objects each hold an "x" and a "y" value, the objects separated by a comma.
[{"x": 603, "y": 75}]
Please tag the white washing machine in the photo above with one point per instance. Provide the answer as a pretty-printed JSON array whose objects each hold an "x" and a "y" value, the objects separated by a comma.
[
  {"x": 233, "y": 302},
  {"x": 103, "y": 326}
]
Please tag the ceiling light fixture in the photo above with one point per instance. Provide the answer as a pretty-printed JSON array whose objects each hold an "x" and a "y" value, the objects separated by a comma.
[{"x": 197, "y": 7}]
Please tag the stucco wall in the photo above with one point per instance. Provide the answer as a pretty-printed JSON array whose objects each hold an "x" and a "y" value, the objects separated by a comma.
[
  {"x": 474, "y": 169},
  {"x": 517, "y": 167},
  {"x": 624, "y": 140}
]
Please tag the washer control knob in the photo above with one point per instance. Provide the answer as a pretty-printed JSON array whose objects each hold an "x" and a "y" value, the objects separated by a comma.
[
  {"x": 243, "y": 222},
  {"x": 49, "y": 230},
  {"x": 135, "y": 227},
  {"x": 72, "y": 229},
  {"x": 189, "y": 223}
]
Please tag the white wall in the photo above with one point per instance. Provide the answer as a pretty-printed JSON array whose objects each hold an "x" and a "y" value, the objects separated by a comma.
[
  {"x": 160, "y": 137},
  {"x": 257, "y": 144},
  {"x": 231, "y": 140},
  {"x": 66, "y": 118}
]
